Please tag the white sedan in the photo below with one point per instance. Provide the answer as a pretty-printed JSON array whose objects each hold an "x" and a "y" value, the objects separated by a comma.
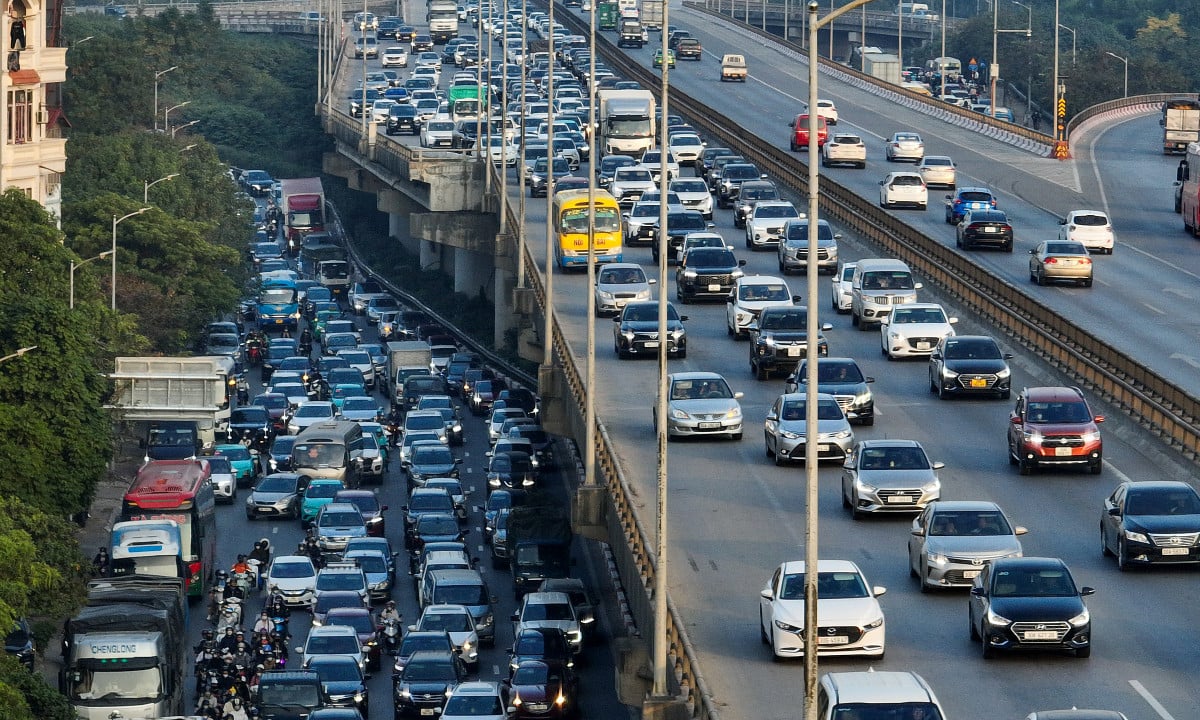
[
  {"x": 849, "y": 619},
  {"x": 1090, "y": 227},
  {"x": 905, "y": 146},
  {"x": 844, "y": 148},
  {"x": 842, "y": 293},
  {"x": 903, "y": 188},
  {"x": 437, "y": 133},
  {"x": 914, "y": 330},
  {"x": 827, "y": 110},
  {"x": 939, "y": 171},
  {"x": 394, "y": 57}
]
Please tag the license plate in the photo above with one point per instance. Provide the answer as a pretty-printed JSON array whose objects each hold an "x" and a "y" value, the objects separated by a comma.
[
  {"x": 822, "y": 448},
  {"x": 793, "y": 351},
  {"x": 426, "y": 711},
  {"x": 1062, "y": 452},
  {"x": 989, "y": 229},
  {"x": 709, "y": 425},
  {"x": 899, "y": 500},
  {"x": 651, "y": 343},
  {"x": 835, "y": 640},
  {"x": 922, "y": 346},
  {"x": 1174, "y": 551},
  {"x": 970, "y": 574},
  {"x": 714, "y": 287},
  {"x": 978, "y": 383},
  {"x": 1041, "y": 635},
  {"x": 278, "y": 321}
]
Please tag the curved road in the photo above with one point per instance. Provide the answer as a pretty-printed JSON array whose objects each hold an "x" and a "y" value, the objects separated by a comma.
[{"x": 734, "y": 515}]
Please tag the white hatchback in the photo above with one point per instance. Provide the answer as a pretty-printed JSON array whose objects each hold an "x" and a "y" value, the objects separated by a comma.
[{"x": 1090, "y": 227}]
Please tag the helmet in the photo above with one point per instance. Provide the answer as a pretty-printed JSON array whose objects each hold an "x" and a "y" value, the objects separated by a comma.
[
  {"x": 237, "y": 701},
  {"x": 207, "y": 634},
  {"x": 222, "y": 575},
  {"x": 263, "y": 543},
  {"x": 228, "y": 629},
  {"x": 391, "y": 604},
  {"x": 241, "y": 558}
]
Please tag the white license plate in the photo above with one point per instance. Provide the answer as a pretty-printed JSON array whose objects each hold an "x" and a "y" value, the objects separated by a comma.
[
  {"x": 709, "y": 425},
  {"x": 990, "y": 229},
  {"x": 1174, "y": 551},
  {"x": 714, "y": 287},
  {"x": 1041, "y": 635},
  {"x": 1062, "y": 452},
  {"x": 922, "y": 346},
  {"x": 971, "y": 574},
  {"x": 652, "y": 343},
  {"x": 822, "y": 448},
  {"x": 426, "y": 711},
  {"x": 793, "y": 351},
  {"x": 835, "y": 640},
  {"x": 899, "y": 500}
]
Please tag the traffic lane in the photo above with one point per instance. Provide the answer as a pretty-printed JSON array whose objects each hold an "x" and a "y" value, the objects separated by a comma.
[
  {"x": 728, "y": 511},
  {"x": 1138, "y": 280}
]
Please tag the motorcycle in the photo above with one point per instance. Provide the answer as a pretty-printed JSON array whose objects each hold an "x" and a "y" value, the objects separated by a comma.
[
  {"x": 245, "y": 581},
  {"x": 391, "y": 635},
  {"x": 230, "y": 615}
]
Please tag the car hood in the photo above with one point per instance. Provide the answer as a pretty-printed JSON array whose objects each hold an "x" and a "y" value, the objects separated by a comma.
[
  {"x": 707, "y": 269},
  {"x": 705, "y": 407},
  {"x": 270, "y": 497},
  {"x": 565, "y": 625},
  {"x": 833, "y": 388},
  {"x": 1037, "y": 608},
  {"x": 434, "y": 469},
  {"x": 341, "y": 688},
  {"x": 1163, "y": 523},
  {"x": 984, "y": 547},
  {"x": 430, "y": 687},
  {"x": 1062, "y": 428},
  {"x": 824, "y": 427},
  {"x": 841, "y": 612},
  {"x": 757, "y": 306},
  {"x": 649, "y": 325},
  {"x": 342, "y": 531},
  {"x": 623, "y": 288},
  {"x": 787, "y": 335},
  {"x": 896, "y": 478},
  {"x": 294, "y": 584},
  {"x": 912, "y": 329},
  {"x": 968, "y": 366}
]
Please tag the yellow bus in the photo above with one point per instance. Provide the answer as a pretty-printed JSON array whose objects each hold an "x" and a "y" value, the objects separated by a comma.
[{"x": 571, "y": 214}]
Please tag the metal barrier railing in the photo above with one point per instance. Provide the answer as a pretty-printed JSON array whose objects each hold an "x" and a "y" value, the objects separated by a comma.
[{"x": 1099, "y": 109}]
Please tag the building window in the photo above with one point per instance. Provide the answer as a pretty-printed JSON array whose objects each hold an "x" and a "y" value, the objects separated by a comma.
[{"x": 20, "y": 116}]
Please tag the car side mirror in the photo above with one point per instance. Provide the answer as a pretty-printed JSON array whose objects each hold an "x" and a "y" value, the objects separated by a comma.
[
  {"x": 1033, "y": 251},
  {"x": 791, "y": 123},
  {"x": 978, "y": 592},
  {"x": 682, "y": 318},
  {"x": 741, "y": 263},
  {"x": 1007, "y": 356},
  {"x": 738, "y": 395},
  {"x": 652, "y": 281},
  {"x": 1098, "y": 419},
  {"x": 458, "y": 461},
  {"x": 403, "y": 508},
  {"x": 772, "y": 416},
  {"x": 949, "y": 197},
  {"x": 1114, "y": 511},
  {"x": 766, "y": 594},
  {"x": 1015, "y": 419},
  {"x": 878, "y": 590},
  {"x": 515, "y": 617},
  {"x": 938, "y": 465},
  {"x": 1062, "y": 222},
  {"x": 918, "y": 286},
  {"x": 1087, "y": 590},
  {"x": 1020, "y": 530}
]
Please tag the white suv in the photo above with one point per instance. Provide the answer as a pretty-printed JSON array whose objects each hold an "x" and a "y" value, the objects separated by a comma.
[
  {"x": 765, "y": 223},
  {"x": 1090, "y": 227},
  {"x": 750, "y": 296}
]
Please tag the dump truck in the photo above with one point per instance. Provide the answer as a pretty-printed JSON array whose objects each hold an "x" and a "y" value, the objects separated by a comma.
[{"x": 153, "y": 389}]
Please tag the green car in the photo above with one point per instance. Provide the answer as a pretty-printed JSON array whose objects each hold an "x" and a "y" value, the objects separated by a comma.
[
  {"x": 338, "y": 393},
  {"x": 243, "y": 461},
  {"x": 658, "y": 58},
  {"x": 318, "y": 494},
  {"x": 322, "y": 317}
]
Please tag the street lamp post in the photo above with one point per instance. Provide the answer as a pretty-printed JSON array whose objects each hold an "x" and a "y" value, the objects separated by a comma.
[
  {"x": 811, "y": 555},
  {"x": 17, "y": 354},
  {"x": 158, "y": 75},
  {"x": 1125, "y": 61},
  {"x": 167, "y": 112},
  {"x": 177, "y": 128},
  {"x": 75, "y": 266},
  {"x": 1072, "y": 31},
  {"x": 117, "y": 221},
  {"x": 149, "y": 184},
  {"x": 994, "y": 66}
]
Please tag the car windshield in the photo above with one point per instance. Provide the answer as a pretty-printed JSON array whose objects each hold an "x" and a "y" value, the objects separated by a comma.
[
  {"x": 894, "y": 458},
  {"x": 689, "y": 186},
  {"x": 707, "y": 388},
  {"x": 968, "y": 522},
  {"x": 430, "y": 671},
  {"x": 633, "y": 175},
  {"x": 887, "y": 280},
  {"x": 907, "y": 181},
  {"x": 763, "y": 293},
  {"x": 645, "y": 209},
  {"x": 371, "y": 562},
  {"x": 938, "y": 161},
  {"x": 1032, "y": 582},
  {"x": 292, "y": 570},
  {"x": 830, "y": 586},
  {"x": 1065, "y": 249},
  {"x": 234, "y": 452},
  {"x": 331, "y": 670},
  {"x": 847, "y": 140},
  {"x": 907, "y": 137},
  {"x": 461, "y": 594},
  {"x": 536, "y": 674},
  {"x": 969, "y": 349},
  {"x": 414, "y": 642},
  {"x": 320, "y": 491},
  {"x": 437, "y": 524},
  {"x": 450, "y": 622},
  {"x": 339, "y": 519},
  {"x": 784, "y": 320},
  {"x": 793, "y": 410},
  {"x": 219, "y": 466},
  {"x": 359, "y": 403},
  {"x": 463, "y": 705},
  {"x": 432, "y": 455},
  {"x": 331, "y": 645},
  {"x": 648, "y": 312},
  {"x": 1057, "y": 412},
  {"x": 975, "y": 196},
  {"x": 365, "y": 502},
  {"x": 314, "y": 411},
  {"x": 431, "y": 502},
  {"x": 869, "y": 711},
  {"x": 424, "y": 422},
  {"x": 835, "y": 372},
  {"x": 775, "y": 211},
  {"x": 903, "y": 315},
  {"x": 710, "y": 257},
  {"x": 276, "y": 484},
  {"x": 622, "y": 276},
  {"x": 1090, "y": 220},
  {"x": 551, "y": 611},
  {"x": 272, "y": 401},
  {"x": 760, "y": 193},
  {"x": 1162, "y": 502},
  {"x": 286, "y": 694}
]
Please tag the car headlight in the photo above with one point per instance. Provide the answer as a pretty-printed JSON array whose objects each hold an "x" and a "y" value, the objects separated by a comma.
[
  {"x": 734, "y": 412},
  {"x": 689, "y": 274},
  {"x": 932, "y": 486},
  {"x": 938, "y": 559},
  {"x": 1081, "y": 619},
  {"x": 1092, "y": 436},
  {"x": 769, "y": 341},
  {"x": 1033, "y": 436},
  {"x": 842, "y": 434},
  {"x": 358, "y": 697},
  {"x": 865, "y": 487},
  {"x": 676, "y": 334},
  {"x": 786, "y": 627},
  {"x": 1004, "y": 373},
  {"x": 994, "y": 619},
  {"x": 948, "y": 374},
  {"x": 404, "y": 692},
  {"x": 604, "y": 295},
  {"x": 737, "y": 274},
  {"x": 877, "y": 622},
  {"x": 643, "y": 295},
  {"x": 1137, "y": 537},
  {"x": 742, "y": 316},
  {"x": 678, "y": 414},
  {"x": 789, "y": 435}
]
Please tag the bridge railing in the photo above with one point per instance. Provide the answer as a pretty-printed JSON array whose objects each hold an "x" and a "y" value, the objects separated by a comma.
[{"x": 1120, "y": 104}]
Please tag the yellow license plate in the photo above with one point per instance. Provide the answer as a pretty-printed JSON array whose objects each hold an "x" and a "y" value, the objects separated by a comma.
[{"x": 978, "y": 383}]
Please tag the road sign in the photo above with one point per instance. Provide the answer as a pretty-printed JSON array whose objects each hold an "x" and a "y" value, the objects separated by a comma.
[{"x": 1062, "y": 107}]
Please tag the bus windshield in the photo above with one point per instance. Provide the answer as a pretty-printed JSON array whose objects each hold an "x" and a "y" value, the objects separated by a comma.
[
  {"x": 277, "y": 296},
  {"x": 575, "y": 220}
]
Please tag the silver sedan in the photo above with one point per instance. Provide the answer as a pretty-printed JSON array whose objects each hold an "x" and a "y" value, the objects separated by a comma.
[
  {"x": 888, "y": 476},
  {"x": 701, "y": 403},
  {"x": 952, "y": 540},
  {"x": 785, "y": 430}
]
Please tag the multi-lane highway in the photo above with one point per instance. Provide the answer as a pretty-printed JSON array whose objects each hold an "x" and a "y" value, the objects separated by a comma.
[{"x": 734, "y": 515}]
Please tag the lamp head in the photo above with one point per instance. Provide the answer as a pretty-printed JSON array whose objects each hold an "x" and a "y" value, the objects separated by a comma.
[{"x": 813, "y": 6}]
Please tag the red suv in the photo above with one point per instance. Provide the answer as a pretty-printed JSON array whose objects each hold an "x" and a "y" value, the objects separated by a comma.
[
  {"x": 1054, "y": 426},
  {"x": 800, "y": 132}
]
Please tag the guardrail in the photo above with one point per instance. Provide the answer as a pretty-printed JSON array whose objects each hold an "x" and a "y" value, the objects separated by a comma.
[{"x": 1120, "y": 103}]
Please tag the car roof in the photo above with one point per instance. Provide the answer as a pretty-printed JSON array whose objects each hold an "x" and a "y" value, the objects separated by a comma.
[
  {"x": 1050, "y": 394},
  {"x": 1174, "y": 485},
  {"x": 797, "y": 566},
  {"x": 956, "y": 505},
  {"x": 695, "y": 375},
  {"x": 1032, "y": 563},
  {"x": 962, "y": 190},
  {"x": 888, "y": 442},
  {"x": 547, "y": 598},
  {"x": 333, "y": 629}
]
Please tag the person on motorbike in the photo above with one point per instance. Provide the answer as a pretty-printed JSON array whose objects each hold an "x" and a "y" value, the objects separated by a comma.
[
  {"x": 207, "y": 703},
  {"x": 306, "y": 342},
  {"x": 261, "y": 553},
  {"x": 390, "y": 613},
  {"x": 242, "y": 657},
  {"x": 228, "y": 642},
  {"x": 264, "y": 625},
  {"x": 235, "y": 708}
]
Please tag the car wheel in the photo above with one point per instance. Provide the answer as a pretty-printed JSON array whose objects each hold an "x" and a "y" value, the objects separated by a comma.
[
  {"x": 974, "y": 630},
  {"x": 795, "y": 147},
  {"x": 868, "y": 421},
  {"x": 1085, "y": 652},
  {"x": 767, "y": 445},
  {"x": 681, "y": 354},
  {"x": 779, "y": 461},
  {"x": 1024, "y": 466},
  {"x": 1012, "y": 458},
  {"x": 1104, "y": 551},
  {"x": 250, "y": 517},
  {"x": 988, "y": 651},
  {"x": 761, "y": 373},
  {"x": 1087, "y": 283},
  {"x": 941, "y": 392},
  {"x": 736, "y": 437},
  {"x": 1097, "y": 467},
  {"x": 922, "y": 585},
  {"x": 762, "y": 630}
]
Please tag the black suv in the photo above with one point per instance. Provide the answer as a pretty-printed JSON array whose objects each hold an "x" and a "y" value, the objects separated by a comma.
[
  {"x": 289, "y": 695},
  {"x": 841, "y": 378},
  {"x": 679, "y": 224},
  {"x": 707, "y": 273},
  {"x": 780, "y": 341},
  {"x": 402, "y": 118},
  {"x": 636, "y": 330},
  {"x": 732, "y": 177},
  {"x": 252, "y": 425},
  {"x": 426, "y": 681}
]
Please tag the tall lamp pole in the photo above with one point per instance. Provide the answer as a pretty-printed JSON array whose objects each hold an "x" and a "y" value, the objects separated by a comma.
[
  {"x": 1072, "y": 31},
  {"x": 117, "y": 221},
  {"x": 187, "y": 124},
  {"x": 149, "y": 184},
  {"x": 158, "y": 75},
  {"x": 167, "y": 112},
  {"x": 17, "y": 354},
  {"x": 811, "y": 556},
  {"x": 75, "y": 266},
  {"x": 993, "y": 66},
  {"x": 1124, "y": 60}
]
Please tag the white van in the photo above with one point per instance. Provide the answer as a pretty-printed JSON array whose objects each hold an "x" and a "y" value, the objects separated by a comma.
[
  {"x": 886, "y": 694},
  {"x": 908, "y": 8},
  {"x": 878, "y": 285}
]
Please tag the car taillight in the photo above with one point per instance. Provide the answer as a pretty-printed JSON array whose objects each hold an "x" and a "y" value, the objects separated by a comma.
[
  {"x": 1051, "y": 261},
  {"x": 1085, "y": 261}
]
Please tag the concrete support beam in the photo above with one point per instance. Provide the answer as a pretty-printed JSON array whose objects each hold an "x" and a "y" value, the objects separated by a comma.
[
  {"x": 472, "y": 271},
  {"x": 431, "y": 255},
  {"x": 469, "y": 231},
  {"x": 504, "y": 318},
  {"x": 453, "y": 185}
]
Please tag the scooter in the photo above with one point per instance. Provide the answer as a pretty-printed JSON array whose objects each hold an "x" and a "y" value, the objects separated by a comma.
[
  {"x": 231, "y": 614},
  {"x": 391, "y": 635}
]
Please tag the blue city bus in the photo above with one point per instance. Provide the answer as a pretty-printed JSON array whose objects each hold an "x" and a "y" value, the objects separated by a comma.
[{"x": 278, "y": 304}]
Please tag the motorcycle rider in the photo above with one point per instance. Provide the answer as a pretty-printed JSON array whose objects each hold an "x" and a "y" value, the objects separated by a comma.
[
  {"x": 235, "y": 709},
  {"x": 264, "y": 625},
  {"x": 242, "y": 659},
  {"x": 228, "y": 642},
  {"x": 306, "y": 343},
  {"x": 208, "y": 704},
  {"x": 390, "y": 613}
]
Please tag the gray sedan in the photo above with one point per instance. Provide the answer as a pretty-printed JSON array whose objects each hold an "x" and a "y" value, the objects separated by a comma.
[
  {"x": 620, "y": 283},
  {"x": 701, "y": 403},
  {"x": 888, "y": 476},
  {"x": 952, "y": 540},
  {"x": 785, "y": 429}
]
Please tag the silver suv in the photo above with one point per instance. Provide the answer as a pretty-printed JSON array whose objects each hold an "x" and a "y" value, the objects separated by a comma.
[
  {"x": 878, "y": 285},
  {"x": 550, "y": 610},
  {"x": 793, "y": 247}
]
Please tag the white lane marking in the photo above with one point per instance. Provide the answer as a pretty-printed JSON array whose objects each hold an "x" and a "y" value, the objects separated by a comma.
[
  {"x": 1154, "y": 309},
  {"x": 1113, "y": 469},
  {"x": 1154, "y": 704},
  {"x": 1187, "y": 359}
]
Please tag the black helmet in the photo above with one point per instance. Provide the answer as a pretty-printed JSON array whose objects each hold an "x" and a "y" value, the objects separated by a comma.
[
  {"x": 228, "y": 629},
  {"x": 207, "y": 634},
  {"x": 241, "y": 558}
]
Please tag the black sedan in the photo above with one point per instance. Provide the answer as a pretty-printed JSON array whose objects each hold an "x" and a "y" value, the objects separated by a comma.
[
  {"x": 843, "y": 379},
  {"x": 635, "y": 331},
  {"x": 434, "y": 527},
  {"x": 1029, "y": 603},
  {"x": 1152, "y": 522},
  {"x": 431, "y": 460},
  {"x": 984, "y": 227},
  {"x": 707, "y": 273},
  {"x": 425, "y": 683},
  {"x": 969, "y": 365},
  {"x": 511, "y": 471}
]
